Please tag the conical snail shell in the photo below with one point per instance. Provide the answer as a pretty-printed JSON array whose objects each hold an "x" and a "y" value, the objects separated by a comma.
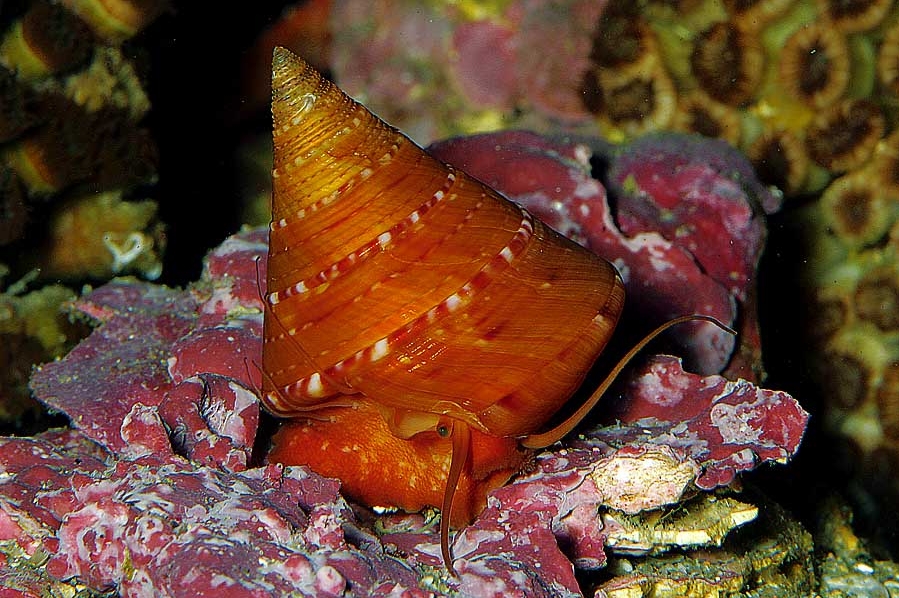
[{"x": 396, "y": 276}]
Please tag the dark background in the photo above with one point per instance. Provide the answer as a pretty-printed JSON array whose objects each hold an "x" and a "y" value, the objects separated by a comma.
[{"x": 194, "y": 60}]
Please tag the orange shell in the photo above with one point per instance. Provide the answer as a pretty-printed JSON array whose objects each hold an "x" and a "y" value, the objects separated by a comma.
[{"x": 396, "y": 276}]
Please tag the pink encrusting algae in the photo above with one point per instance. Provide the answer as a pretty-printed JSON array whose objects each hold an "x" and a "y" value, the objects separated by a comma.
[{"x": 156, "y": 490}]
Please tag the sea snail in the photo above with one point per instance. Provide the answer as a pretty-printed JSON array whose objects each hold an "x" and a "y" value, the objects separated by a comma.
[{"x": 406, "y": 312}]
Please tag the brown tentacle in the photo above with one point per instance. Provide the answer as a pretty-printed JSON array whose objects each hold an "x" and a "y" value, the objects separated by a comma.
[
  {"x": 461, "y": 434},
  {"x": 544, "y": 439}
]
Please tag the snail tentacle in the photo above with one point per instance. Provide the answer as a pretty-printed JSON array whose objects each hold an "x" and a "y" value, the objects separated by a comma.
[
  {"x": 461, "y": 452},
  {"x": 553, "y": 435}
]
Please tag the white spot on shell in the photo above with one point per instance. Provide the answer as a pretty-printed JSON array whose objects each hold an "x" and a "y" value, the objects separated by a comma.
[
  {"x": 379, "y": 349},
  {"x": 315, "y": 384},
  {"x": 453, "y": 301}
]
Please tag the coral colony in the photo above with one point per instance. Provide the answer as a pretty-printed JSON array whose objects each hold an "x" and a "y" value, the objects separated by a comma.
[
  {"x": 71, "y": 106},
  {"x": 156, "y": 490},
  {"x": 75, "y": 160}
]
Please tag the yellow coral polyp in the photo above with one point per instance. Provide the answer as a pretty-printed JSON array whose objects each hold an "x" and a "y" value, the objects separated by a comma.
[
  {"x": 727, "y": 63},
  {"x": 645, "y": 102},
  {"x": 814, "y": 65},
  {"x": 884, "y": 165},
  {"x": 698, "y": 113},
  {"x": 779, "y": 157},
  {"x": 624, "y": 44},
  {"x": 857, "y": 356},
  {"x": 27, "y": 158},
  {"x": 844, "y": 136},
  {"x": 108, "y": 81},
  {"x": 857, "y": 210},
  {"x": 759, "y": 13},
  {"x": 855, "y": 16},
  {"x": 856, "y": 368},
  {"x": 888, "y": 59},
  {"x": 877, "y": 298},
  {"x": 37, "y": 315},
  {"x": 888, "y": 400},
  {"x": 16, "y": 54},
  {"x": 833, "y": 313},
  {"x": 116, "y": 20}
]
